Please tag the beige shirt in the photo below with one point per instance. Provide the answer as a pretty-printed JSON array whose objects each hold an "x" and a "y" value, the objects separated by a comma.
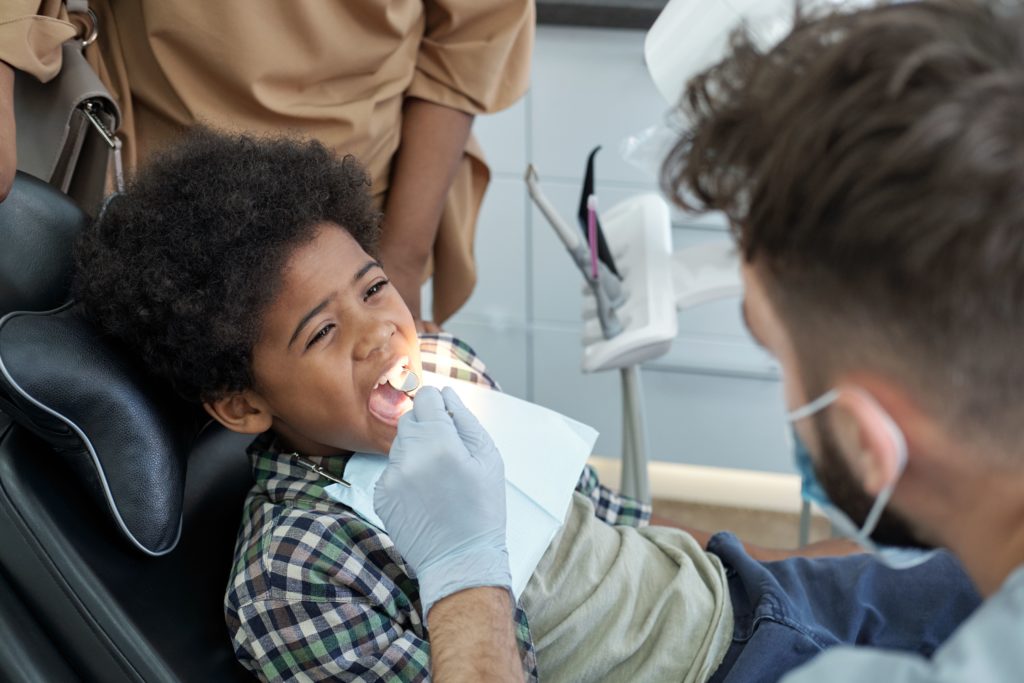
[
  {"x": 335, "y": 70},
  {"x": 618, "y": 603}
]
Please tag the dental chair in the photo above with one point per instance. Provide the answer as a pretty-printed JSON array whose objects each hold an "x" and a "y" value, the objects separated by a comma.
[{"x": 119, "y": 503}]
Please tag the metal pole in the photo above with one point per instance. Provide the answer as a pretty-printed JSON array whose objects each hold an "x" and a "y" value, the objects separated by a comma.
[
  {"x": 634, "y": 448},
  {"x": 805, "y": 523}
]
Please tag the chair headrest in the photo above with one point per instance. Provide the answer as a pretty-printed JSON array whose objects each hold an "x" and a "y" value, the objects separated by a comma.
[
  {"x": 127, "y": 433},
  {"x": 38, "y": 226}
]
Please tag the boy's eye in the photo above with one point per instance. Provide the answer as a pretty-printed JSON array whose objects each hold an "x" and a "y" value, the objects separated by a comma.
[
  {"x": 375, "y": 289},
  {"x": 321, "y": 333}
]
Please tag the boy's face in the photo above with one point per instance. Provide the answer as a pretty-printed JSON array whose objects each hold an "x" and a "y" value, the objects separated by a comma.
[{"x": 336, "y": 328}]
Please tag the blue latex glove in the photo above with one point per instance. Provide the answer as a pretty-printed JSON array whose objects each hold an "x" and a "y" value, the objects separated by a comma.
[{"x": 442, "y": 498}]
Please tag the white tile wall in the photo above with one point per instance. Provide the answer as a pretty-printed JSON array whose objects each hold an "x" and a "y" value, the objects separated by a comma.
[
  {"x": 501, "y": 256},
  {"x": 590, "y": 87},
  {"x": 503, "y": 137},
  {"x": 713, "y": 399}
]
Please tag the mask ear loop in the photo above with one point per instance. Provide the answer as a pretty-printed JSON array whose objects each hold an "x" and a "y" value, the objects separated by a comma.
[
  {"x": 899, "y": 441},
  {"x": 823, "y": 401},
  {"x": 863, "y": 535}
]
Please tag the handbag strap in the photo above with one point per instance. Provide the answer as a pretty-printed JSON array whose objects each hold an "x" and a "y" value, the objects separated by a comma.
[{"x": 57, "y": 117}]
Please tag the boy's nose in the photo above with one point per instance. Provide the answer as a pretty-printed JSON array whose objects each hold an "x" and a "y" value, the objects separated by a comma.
[{"x": 374, "y": 339}]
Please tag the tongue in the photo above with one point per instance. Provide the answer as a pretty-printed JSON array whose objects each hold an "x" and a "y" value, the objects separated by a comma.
[{"x": 387, "y": 403}]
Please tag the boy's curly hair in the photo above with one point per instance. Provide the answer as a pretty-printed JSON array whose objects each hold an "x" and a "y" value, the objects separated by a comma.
[{"x": 182, "y": 265}]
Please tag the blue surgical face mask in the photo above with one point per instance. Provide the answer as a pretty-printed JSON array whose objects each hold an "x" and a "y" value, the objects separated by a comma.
[{"x": 811, "y": 490}]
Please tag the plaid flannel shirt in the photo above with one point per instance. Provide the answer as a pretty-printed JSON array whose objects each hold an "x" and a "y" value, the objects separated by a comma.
[{"x": 318, "y": 593}]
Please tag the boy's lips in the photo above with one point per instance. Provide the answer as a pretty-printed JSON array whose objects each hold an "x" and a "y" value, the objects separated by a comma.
[{"x": 386, "y": 403}]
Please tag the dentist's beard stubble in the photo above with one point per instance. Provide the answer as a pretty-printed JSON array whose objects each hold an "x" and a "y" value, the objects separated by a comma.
[{"x": 842, "y": 487}]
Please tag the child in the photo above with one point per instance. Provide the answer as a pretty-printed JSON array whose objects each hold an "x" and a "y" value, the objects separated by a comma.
[{"x": 243, "y": 272}]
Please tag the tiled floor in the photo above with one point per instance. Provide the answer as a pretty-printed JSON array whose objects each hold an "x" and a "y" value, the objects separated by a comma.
[{"x": 763, "y": 527}]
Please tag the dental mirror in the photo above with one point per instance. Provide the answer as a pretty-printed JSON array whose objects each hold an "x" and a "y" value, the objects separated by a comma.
[{"x": 406, "y": 382}]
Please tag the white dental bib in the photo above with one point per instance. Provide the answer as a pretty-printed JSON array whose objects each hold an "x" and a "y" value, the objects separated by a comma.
[{"x": 544, "y": 453}]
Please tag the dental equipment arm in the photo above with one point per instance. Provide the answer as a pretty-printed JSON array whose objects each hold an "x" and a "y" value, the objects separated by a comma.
[
  {"x": 442, "y": 500},
  {"x": 606, "y": 288},
  {"x": 629, "y": 322}
]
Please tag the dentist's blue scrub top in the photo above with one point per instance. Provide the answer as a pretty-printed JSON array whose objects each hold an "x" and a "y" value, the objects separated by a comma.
[{"x": 988, "y": 646}]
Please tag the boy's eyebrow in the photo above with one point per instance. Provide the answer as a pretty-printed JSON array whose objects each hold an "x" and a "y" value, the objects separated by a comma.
[
  {"x": 306, "y": 318},
  {"x": 366, "y": 268}
]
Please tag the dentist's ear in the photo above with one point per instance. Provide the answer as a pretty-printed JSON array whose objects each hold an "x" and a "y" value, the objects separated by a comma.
[
  {"x": 244, "y": 412},
  {"x": 879, "y": 450}
]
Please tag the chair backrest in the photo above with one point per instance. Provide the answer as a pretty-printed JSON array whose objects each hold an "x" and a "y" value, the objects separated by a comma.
[{"x": 109, "y": 611}]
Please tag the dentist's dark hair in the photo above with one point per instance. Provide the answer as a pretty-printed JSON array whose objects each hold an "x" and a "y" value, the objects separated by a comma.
[
  {"x": 182, "y": 266},
  {"x": 871, "y": 166}
]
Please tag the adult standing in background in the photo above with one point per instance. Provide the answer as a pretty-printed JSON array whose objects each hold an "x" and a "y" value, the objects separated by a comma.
[{"x": 394, "y": 82}]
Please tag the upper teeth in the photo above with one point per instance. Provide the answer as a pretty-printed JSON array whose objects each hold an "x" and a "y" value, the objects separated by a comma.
[{"x": 396, "y": 375}]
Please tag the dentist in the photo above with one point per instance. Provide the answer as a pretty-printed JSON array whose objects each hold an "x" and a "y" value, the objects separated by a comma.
[{"x": 871, "y": 165}]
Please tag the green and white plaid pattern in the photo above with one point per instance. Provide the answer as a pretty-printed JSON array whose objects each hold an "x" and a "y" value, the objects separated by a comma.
[{"x": 317, "y": 593}]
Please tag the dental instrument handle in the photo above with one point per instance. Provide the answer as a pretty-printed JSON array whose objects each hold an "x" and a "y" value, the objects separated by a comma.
[
  {"x": 611, "y": 285},
  {"x": 581, "y": 257},
  {"x": 318, "y": 469},
  {"x": 606, "y": 279},
  {"x": 592, "y": 233},
  {"x": 610, "y": 325},
  {"x": 607, "y": 289}
]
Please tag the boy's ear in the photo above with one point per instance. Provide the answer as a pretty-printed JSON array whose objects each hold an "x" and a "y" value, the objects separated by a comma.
[{"x": 244, "y": 412}]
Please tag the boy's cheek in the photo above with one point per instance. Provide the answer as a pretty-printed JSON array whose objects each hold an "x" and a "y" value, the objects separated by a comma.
[{"x": 387, "y": 441}]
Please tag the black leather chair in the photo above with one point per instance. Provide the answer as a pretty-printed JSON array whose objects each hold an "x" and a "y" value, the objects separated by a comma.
[{"x": 92, "y": 587}]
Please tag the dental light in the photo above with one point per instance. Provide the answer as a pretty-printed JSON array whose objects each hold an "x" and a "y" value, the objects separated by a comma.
[{"x": 691, "y": 35}]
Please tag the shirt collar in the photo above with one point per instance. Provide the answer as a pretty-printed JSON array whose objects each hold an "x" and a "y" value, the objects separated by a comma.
[
  {"x": 362, "y": 472},
  {"x": 276, "y": 472}
]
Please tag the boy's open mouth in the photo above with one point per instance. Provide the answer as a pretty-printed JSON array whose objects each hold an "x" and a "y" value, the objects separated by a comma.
[{"x": 387, "y": 403}]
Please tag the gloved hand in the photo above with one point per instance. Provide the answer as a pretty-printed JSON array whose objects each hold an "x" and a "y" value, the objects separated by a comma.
[{"x": 442, "y": 498}]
